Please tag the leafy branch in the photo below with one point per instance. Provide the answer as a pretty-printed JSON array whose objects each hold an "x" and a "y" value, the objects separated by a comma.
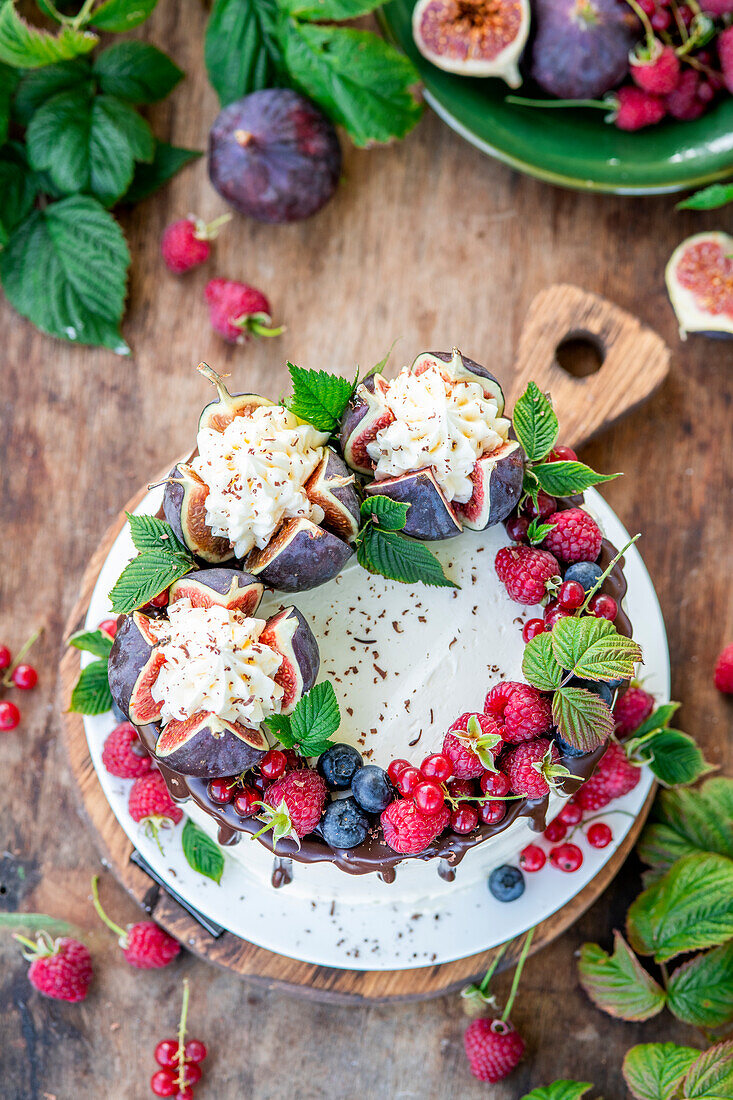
[
  {"x": 162, "y": 559},
  {"x": 382, "y": 549}
]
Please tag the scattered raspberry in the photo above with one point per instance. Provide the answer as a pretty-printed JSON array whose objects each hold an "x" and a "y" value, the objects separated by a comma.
[
  {"x": 238, "y": 312},
  {"x": 575, "y": 536},
  {"x": 185, "y": 244},
  {"x": 530, "y": 767},
  {"x": 613, "y": 777},
  {"x": 659, "y": 74},
  {"x": 123, "y": 754},
  {"x": 525, "y": 572},
  {"x": 683, "y": 103},
  {"x": 304, "y": 793},
  {"x": 632, "y": 708},
  {"x": 522, "y": 712},
  {"x": 636, "y": 109},
  {"x": 407, "y": 831},
  {"x": 463, "y": 751},
  {"x": 493, "y": 1049},
  {"x": 725, "y": 48},
  {"x": 723, "y": 676},
  {"x": 61, "y": 968},
  {"x": 150, "y": 803},
  {"x": 148, "y": 947}
]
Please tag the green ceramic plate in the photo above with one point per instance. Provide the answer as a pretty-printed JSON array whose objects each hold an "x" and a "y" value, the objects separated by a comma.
[{"x": 571, "y": 148}]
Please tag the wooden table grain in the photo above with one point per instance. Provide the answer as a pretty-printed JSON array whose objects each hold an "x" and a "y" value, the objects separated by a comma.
[{"x": 430, "y": 242}]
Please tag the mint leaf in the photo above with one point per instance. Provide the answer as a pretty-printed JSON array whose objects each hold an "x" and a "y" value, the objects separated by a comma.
[
  {"x": 700, "y": 992},
  {"x": 710, "y": 1077},
  {"x": 319, "y": 397},
  {"x": 89, "y": 143},
  {"x": 583, "y": 719},
  {"x": 91, "y": 694},
  {"x": 535, "y": 423},
  {"x": 280, "y": 726},
  {"x": 23, "y": 46},
  {"x": 593, "y": 649},
  {"x": 539, "y": 667},
  {"x": 673, "y": 756},
  {"x": 537, "y": 531},
  {"x": 560, "y": 1090},
  {"x": 147, "y": 178},
  {"x": 654, "y": 1071},
  {"x": 390, "y": 515},
  {"x": 92, "y": 641},
  {"x": 40, "y": 85},
  {"x": 363, "y": 83},
  {"x": 399, "y": 558},
  {"x": 618, "y": 984},
  {"x": 328, "y": 9},
  {"x": 147, "y": 576},
  {"x": 710, "y": 198},
  {"x": 136, "y": 72},
  {"x": 240, "y": 50},
  {"x": 690, "y": 908},
  {"x": 117, "y": 16},
  {"x": 65, "y": 268},
  {"x": 315, "y": 719},
  {"x": 151, "y": 533},
  {"x": 564, "y": 479},
  {"x": 202, "y": 853},
  {"x": 689, "y": 822}
]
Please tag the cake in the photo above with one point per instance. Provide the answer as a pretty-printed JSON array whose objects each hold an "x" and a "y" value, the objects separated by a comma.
[{"x": 302, "y": 534}]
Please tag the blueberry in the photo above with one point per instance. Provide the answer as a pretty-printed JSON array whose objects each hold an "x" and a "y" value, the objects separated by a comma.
[
  {"x": 565, "y": 748},
  {"x": 598, "y": 688},
  {"x": 586, "y": 573},
  {"x": 372, "y": 789},
  {"x": 118, "y": 712},
  {"x": 344, "y": 825},
  {"x": 338, "y": 764},
  {"x": 506, "y": 883}
]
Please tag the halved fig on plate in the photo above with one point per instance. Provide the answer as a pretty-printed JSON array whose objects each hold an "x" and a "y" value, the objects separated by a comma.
[
  {"x": 301, "y": 555},
  {"x": 430, "y": 516},
  {"x": 206, "y": 746},
  {"x": 230, "y": 588},
  {"x": 219, "y": 414},
  {"x": 184, "y": 507},
  {"x": 473, "y": 37},
  {"x": 332, "y": 488}
]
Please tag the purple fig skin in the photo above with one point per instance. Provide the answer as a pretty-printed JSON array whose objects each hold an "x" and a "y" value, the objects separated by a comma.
[
  {"x": 300, "y": 556},
  {"x": 429, "y": 516},
  {"x": 357, "y": 409},
  {"x": 213, "y": 748},
  {"x": 503, "y": 477},
  {"x": 128, "y": 657},
  {"x": 581, "y": 50},
  {"x": 184, "y": 503},
  {"x": 340, "y": 503},
  {"x": 290, "y": 634},
  {"x": 274, "y": 156},
  {"x": 230, "y": 588}
]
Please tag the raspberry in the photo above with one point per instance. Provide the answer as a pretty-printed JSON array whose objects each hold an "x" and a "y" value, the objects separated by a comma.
[
  {"x": 407, "y": 831},
  {"x": 522, "y": 712},
  {"x": 148, "y": 947},
  {"x": 575, "y": 536},
  {"x": 683, "y": 102},
  {"x": 493, "y": 1049},
  {"x": 613, "y": 777},
  {"x": 636, "y": 109},
  {"x": 185, "y": 243},
  {"x": 61, "y": 968},
  {"x": 304, "y": 793},
  {"x": 238, "y": 311},
  {"x": 463, "y": 751},
  {"x": 723, "y": 675},
  {"x": 717, "y": 7},
  {"x": 632, "y": 708},
  {"x": 123, "y": 754},
  {"x": 659, "y": 73},
  {"x": 529, "y": 767},
  {"x": 525, "y": 572},
  {"x": 150, "y": 804},
  {"x": 725, "y": 49}
]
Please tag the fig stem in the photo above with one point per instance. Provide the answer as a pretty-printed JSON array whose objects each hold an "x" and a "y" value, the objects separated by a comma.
[
  {"x": 243, "y": 137},
  {"x": 517, "y": 975},
  {"x": 216, "y": 380},
  {"x": 101, "y": 913}
]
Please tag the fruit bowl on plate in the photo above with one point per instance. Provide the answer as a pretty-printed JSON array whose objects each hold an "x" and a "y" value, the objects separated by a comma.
[{"x": 569, "y": 147}]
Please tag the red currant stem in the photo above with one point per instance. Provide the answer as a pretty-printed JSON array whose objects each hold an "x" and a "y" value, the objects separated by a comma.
[
  {"x": 103, "y": 916},
  {"x": 605, "y": 574},
  {"x": 484, "y": 985},
  {"x": 595, "y": 817},
  {"x": 181, "y": 1055},
  {"x": 643, "y": 18},
  {"x": 679, "y": 21},
  {"x": 521, "y": 101},
  {"x": 517, "y": 975},
  {"x": 8, "y": 677}
]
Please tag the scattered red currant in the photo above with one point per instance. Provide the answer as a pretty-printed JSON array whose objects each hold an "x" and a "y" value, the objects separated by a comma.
[
  {"x": 166, "y": 1053},
  {"x": 245, "y": 801},
  {"x": 495, "y": 783},
  {"x": 516, "y": 528},
  {"x": 603, "y": 606},
  {"x": 428, "y": 797},
  {"x": 9, "y": 715},
  {"x": 221, "y": 791},
  {"x": 571, "y": 595},
  {"x": 532, "y": 858},
  {"x": 566, "y": 857},
  {"x": 492, "y": 812},
  {"x": 561, "y": 453},
  {"x": 555, "y": 831},
  {"x": 464, "y": 820},
  {"x": 437, "y": 767},
  {"x": 532, "y": 628},
  {"x": 407, "y": 780},
  {"x": 6, "y": 658},
  {"x": 599, "y": 835},
  {"x": 24, "y": 677},
  {"x": 273, "y": 765},
  {"x": 396, "y": 768},
  {"x": 108, "y": 626},
  {"x": 571, "y": 813}
]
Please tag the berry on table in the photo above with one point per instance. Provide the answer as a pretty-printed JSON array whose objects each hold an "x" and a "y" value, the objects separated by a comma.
[
  {"x": 9, "y": 715},
  {"x": 409, "y": 832},
  {"x": 186, "y": 243},
  {"x": 526, "y": 572},
  {"x": 108, "y": 627},
  {"x": 632, "y": 708},
  {"x": 636, "y": 109},
  {"x": 566, "y": 857},
  {"x": 163, "y": 1083},
  {"x": 520, "y": 711},
  {"x": 6, "y": 658},
  {"x": 561, "y": 453},
  {"x": 123, "y": 754},
  {"x": 555, "y": 831},
  {"x": 428, "y": 797},
  {"x": 532, "y": 628},
  {"x": 344, "y": 823},
  {"x": 221, "y": 790},
  {"x": 655, "y": 68},
  {"x": 575, "y": 536},
  {"x": 506, "y": 883},
  {"x": 238, "y": 312},
  {"x": 532, "y": 858},
  {"x": 151, "y": 805},
  {"x": 723, "y": 675},
  {"x": 464, "y": 820},
  {"x": 145, "y": 945},
  {"x": 60, "y": 969},
  {"x": 166, "y": 1053},
  {"x": 337, "y": 765},
  {"x": 586, "y": 573},
  {"x": 603, "y": 606},
  {"x": 180, "y": 1060},
  {"x": 599, "y": 835},
  {"x": 493, "y": 1048},
  {"x": 372, "y": 789},
  {"x": 195, "y": 1051}
]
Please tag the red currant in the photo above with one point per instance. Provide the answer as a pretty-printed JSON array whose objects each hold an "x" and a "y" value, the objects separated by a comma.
[
  {"x": 191, "y": 1073},
  {"x": 571, "y": 595},
  {"x": 195, "y": 1050},
  {"x": 428, "y": 797},
  {"x": 464, "y": 820},
  {"x": 491, "y": 813},
  {"x": 9, "y": 715},
  {"x": 291, "y": 759},
  {"x": 396, "y": 768},
  {"x": 516, "y": 528},
  {"x": 437, "y": 767},
  {"x": 571, "y": 813},
  {"x": 108, "y": 626},
  {"x": 161, "y": 600},
  {"x": 24, "y": 677},
  {"x": 163, "y": 1083},
  {"x": 566, "y": 857},
  {"x": 599, "y": 835},
  {"x": 461, "y": 788},
  {"x": 245, "y": 801},
  {"x": 259, "y": 782},
  {"x": 546, "y": 505},
  {"x": 6, "y": 658},
  {"x": 407, "y": 780},
  {"x": 648, "y": 6},
  {"x": 166, "y": 1053},
  {"x": 553, "y": 612},
  {"x": 495, "y": 783},
  {"x": 532, "y": 858},
  {"x": 532, "y": 628},
  {"x": 561, "y": 453},
  {"x": 221, "y": 790},
  {"x": 185, "y": 1093},
  {"x": 555, "y": 831},
  {"x": 273, "y": 765},
  {"x": 603, "y": 606}
]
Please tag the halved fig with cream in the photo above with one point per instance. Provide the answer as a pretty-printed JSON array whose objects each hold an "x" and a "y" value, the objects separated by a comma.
[
  {"x": 256, "y": 469},
  {"x": 210, "y": 673},
  {"x": 435, "y": 438}
]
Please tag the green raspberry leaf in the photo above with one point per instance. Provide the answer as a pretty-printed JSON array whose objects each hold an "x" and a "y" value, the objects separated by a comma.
[
  {"x": 40, "y": 85},
  {"x": 539, "y": 667},
  {"x": 202, "y": 853},
  {"x": 710, "y": 1077},
  {"x": 136, "y": 72},
  {"x": 92, "y": 641},
  {"x": 687, "y": 823},
  {"x": 146, "y": 576},
  {"x": 8, "y": 82},
  {"x": 280, "y": 727},
  {"x": 240, "y": 49},
  {"x": 117, "y": 16},
  {"x": 564, "y": 479},
  {"x": 390, "y": 515},
  {"x": 560, "y": 1090},
  {"x": 710, "y": 198},
  {"x": 658, "y": 719},
  {"x": 583, "y": 719},
  {"x": 400, "y": 559},
  {"x": 537, "y": 531},
  {"x": 328, "y": 10},
  {"x": 673, "y": 756},
  {"x": 18, "y": 187},
  {"x": 319, "y": 397},
  {"x": 535, "y": 423},
  {"x": 147, "y": 178},
  {"x": 618, "y": 983},
  {"x": 91, "y": 694},
  {"x": 65, "y": 268},
  {"x": 23, "y": 46},
  {"x": 593, "y": 649},
  {"x": 700, "y": 992},
  {"x": 654, "y": 1071},
  {"x": 315, "y": 719},
  {"x": 151, "y": 533}
]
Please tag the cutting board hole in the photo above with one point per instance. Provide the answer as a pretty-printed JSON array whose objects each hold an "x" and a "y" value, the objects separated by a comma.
[{"x": 580, "y": 355}]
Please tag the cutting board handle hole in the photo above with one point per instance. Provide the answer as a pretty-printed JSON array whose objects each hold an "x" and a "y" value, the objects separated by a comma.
[{"x": 580, "y": 354}]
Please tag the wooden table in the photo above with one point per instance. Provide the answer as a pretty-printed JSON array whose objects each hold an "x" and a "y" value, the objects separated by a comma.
[{"x": 431, "y": 242}]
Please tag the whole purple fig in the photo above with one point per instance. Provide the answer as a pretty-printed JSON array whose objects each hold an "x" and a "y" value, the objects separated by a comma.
[
  {"x": 274, "y": 156},
  {"x": 581, "y": 48}
]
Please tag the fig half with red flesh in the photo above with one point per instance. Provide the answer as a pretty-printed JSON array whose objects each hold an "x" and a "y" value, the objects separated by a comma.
[
  {"x": 332, "y": 488},
  {"x": 206, "y": 746},
  {"x": 699, "y": 279},
  {"x": 184, "y": 507},
  {"x": 299, "y": 556},
  {"x": 289, "y": 634},
  {"x": 364, "y": 417},
  {"x": 473, "y": 37},
  {"x": 133, "y": 667},
  {"x": 230, "y": 588},
  {"x": 456, "y": 367},
  {"x": 218, "y": 414},
  {"x": 497, "y": 480},
  {"x": 430, "y": 516}
]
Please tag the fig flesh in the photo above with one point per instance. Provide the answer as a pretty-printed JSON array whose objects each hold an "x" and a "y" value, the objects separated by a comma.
[
  {"x": 184, "y": 507},
  {"x": 497, "y": 486},
  {"x": 230, "y": 588},
  {"x": 274, "y": 156},
  {"x": 132, "y": 668},
  {"x": 473, "y": 37},
  {"x": 291, "y": 636},
  {"x": 206, "y": 746},
  {"x": 301, "y": 555},
  {"x": 332, "y": 488},
  {"x": 699, "y": 280},
  {"x": 581, "y": 48}
]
